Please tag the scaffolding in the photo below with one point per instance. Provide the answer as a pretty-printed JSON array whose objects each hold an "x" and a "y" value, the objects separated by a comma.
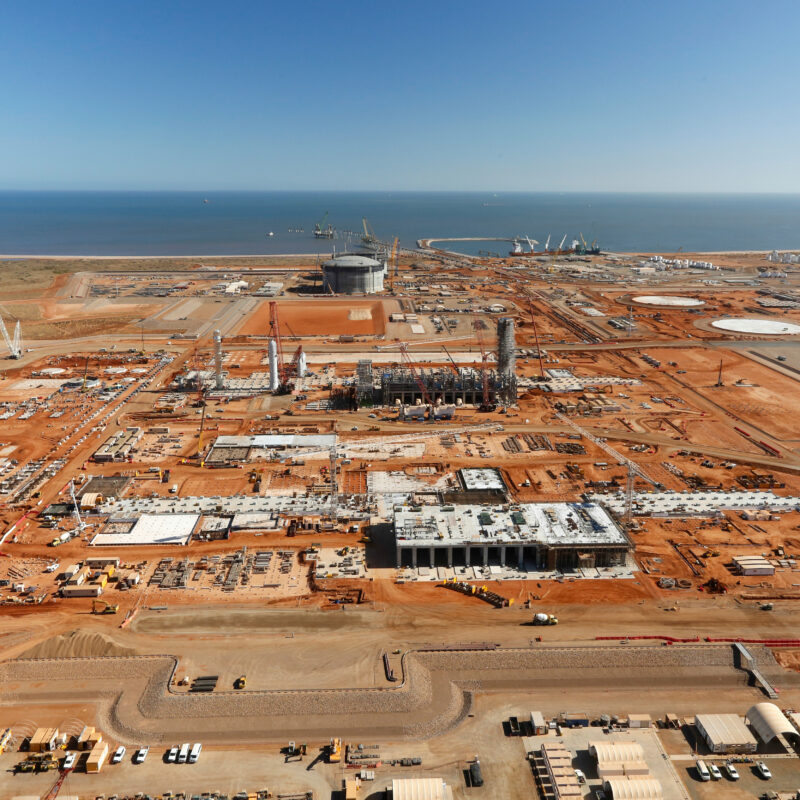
[
  {"x": 365, "y": 383},
  {"x": 399, "y": 386}
]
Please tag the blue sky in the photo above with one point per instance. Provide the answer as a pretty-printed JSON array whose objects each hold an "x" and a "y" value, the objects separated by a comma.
[{"x": 601, "y": 95}]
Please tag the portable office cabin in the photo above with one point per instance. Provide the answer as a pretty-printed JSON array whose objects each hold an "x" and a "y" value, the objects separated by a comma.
[
  {"x": 96, "y": 759},
  {"x": 538, "y": 723},
  {"x": 43, "y": 739},
  {"x": 88, "y": 738}
]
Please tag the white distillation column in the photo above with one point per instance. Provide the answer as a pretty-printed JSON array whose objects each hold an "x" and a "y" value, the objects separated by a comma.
[
  {"x": 274, "y": 378},
  {"x": 219, "y": 383}
]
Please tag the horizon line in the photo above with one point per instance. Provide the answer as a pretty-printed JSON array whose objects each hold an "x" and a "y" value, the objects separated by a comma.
[{"x": 671, "y": 192}]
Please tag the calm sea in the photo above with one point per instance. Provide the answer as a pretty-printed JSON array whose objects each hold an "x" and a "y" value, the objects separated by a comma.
[{"x": 178, "y": 223}]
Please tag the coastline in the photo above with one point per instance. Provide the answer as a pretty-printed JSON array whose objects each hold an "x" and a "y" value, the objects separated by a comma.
[
  {"x": 35, "y": 257},
  {"x": 84, "y": 257}
]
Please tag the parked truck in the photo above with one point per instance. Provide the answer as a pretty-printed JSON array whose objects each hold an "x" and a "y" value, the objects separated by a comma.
[{"x": 545, "y": 619}]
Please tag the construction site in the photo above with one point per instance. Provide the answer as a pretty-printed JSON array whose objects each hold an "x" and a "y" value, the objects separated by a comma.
[{"x": 401, "y": 523}]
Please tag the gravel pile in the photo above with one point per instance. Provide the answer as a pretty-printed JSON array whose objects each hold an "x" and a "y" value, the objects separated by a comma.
[{"x": 571, "y": 658}]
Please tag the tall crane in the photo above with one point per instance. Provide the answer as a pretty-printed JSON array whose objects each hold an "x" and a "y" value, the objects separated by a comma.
[
  {"x": 406, "y": 358},
  {"x": 536, "y": 335},
  {"x": 561, "y": 246},
  {"x": 455, "y": 366},
  {"x": 81, "y": 525},
  {"x": 14, "y": 345},
  {"x": 634, "y": 470},
  {"x": 369, "y": 238},
  {"x": 275, "y": 333},
  {"x": 85, "y": 373},
  {"x": 486, "y": 400}
]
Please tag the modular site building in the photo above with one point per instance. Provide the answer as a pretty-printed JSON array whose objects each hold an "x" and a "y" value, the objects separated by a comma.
[
  {"x": 532, "y": 536},
  {"x": 725, "y": 733},
  {"x": 558, "y": 775}
]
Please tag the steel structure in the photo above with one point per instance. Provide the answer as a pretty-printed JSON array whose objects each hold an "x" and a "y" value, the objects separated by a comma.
[
  {"x": 14, "y": 344},
  {"x": 634, "y": 470}
]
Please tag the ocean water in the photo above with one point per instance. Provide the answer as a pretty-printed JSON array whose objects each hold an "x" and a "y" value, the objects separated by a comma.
[{"x": 181, "y": 223}]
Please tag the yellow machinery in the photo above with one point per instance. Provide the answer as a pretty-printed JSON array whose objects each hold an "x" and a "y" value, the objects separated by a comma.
[
  {"x": 102, "y": 607},
  {"x": 335, "y": 751},
  {"x": 240, "y": 682}
]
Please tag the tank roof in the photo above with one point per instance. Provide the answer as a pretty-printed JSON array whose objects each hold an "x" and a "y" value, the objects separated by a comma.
[{"x": 351, "y": 260}]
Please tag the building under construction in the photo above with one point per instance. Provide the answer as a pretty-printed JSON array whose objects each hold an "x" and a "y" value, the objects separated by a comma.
[
  {"x": 400, "y": 386},
  {"x": 531, "y": 536},
  {"x": 408, "y": 385}
]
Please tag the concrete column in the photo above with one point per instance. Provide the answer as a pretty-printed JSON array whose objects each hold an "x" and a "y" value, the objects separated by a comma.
[
  {"x": 414, "y": 557},
  {"x": 450, "y": 557},
  {"x": 486, "y": 555},
  {"x": 466, "y": 555},
  {"x": 521, "y": 556},
  {"x": 503, "y": 555}
]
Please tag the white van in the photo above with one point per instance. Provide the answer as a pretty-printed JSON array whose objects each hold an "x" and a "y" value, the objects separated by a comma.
[
  {"x": 195, "y": 754},
  {"x": 702, "y": 770},
  {"x": 183, "y": 753}
]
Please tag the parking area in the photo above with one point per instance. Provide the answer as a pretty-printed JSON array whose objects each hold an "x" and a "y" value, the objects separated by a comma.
[{"x": 785, "y": 778}]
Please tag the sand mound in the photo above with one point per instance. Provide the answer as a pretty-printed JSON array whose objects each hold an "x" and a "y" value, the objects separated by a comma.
[{"x": 77, "y": 644}]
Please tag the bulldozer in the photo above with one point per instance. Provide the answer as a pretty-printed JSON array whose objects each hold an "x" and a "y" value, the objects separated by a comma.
[
  {"x": 102, "y": 607},
  {"x": 240, "y": 682}
]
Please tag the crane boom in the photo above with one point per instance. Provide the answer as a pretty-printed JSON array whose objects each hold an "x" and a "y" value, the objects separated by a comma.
[
  {"x": 455, "y": 366},
  {"x": 486, "y": 401},
  {"x": 275, "y": 333},
  {"x": 12, "y": 344},
  {"x": 56, "y": 788},
  {"x": 634, "y": 470},
  {"x": 417, "y": 377},
  {"x": 616, "y": 455}
]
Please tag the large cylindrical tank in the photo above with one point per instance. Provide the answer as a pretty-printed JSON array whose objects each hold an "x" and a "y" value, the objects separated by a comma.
[{"x": 353, "y": 274}]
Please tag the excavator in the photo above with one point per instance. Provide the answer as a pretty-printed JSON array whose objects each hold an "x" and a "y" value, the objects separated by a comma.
[{"x": 102, "y": 607}]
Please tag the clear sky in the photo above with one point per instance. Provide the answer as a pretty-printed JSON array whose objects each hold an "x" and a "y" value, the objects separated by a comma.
[{"x": 601, "y": 95}]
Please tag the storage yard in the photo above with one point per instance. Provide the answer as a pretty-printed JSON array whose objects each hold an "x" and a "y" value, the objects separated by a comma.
[{"x": 479, "y": 515}]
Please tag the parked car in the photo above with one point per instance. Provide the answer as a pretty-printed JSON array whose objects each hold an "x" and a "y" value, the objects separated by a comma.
[
  {"x": 172, "y": 755},
  {"x": 141, "y": 755},
  {"x": 715, "y": 773},
  {"x": 119, "y": 754},
  {"x": 763, "y": 770},
  {"x": 733, "y": 773},
  {"x": 69, "y": 761}
]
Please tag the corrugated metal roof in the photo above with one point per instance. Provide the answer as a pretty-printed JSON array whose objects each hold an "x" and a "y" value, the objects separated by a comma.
[
  {"x": 421, "y": 789},
  {"x": 725, "y": 729},
  {"x": 616, "y": 752},
  {"x": 634, "y": 788},
  {"x": 769, "y": 721}
]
